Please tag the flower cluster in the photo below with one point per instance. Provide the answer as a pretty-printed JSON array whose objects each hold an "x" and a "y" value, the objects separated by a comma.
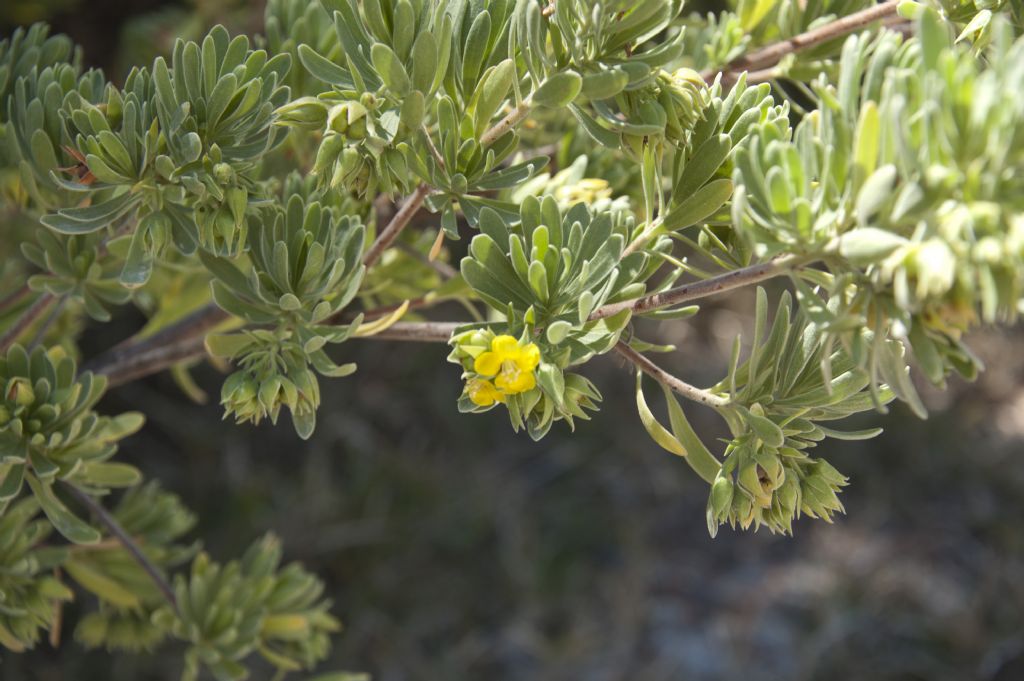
[{"x": 507, "y": 368}]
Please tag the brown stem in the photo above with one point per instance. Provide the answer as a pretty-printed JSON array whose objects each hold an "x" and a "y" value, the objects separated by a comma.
[
  {"x": 108, "y": 521},
  {"x": 771, "y": 54},
  {"x": 141, "y": 361},
  {"x": 178, "y": 342},
  {"x": 388, "y": 235},
  {"x": 14, "y": 297},
  {"x": 744, "y": 276},
  {"x": 418, "y": 332},
  {"x": 513, "y": 118},
  {"x": 676, "y": 384},
  {"x": 27, "y": 318},
  {"x": 37, "y": 338}
]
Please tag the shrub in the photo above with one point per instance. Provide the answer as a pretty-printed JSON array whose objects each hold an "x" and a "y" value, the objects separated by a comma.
[{"x": 240, "y": 193}]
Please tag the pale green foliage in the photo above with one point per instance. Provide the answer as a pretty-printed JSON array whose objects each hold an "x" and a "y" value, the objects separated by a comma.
[
  {"x": 49, "y": 433},
  {"x": 31, "y": 596},
  {"x": 596, "y": 169},
  {"x": 305, "y": 270},
  {"x": 226, "y": 612}
]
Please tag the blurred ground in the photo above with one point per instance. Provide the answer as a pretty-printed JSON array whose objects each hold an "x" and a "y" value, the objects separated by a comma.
[{"x": 457, "y": 551}]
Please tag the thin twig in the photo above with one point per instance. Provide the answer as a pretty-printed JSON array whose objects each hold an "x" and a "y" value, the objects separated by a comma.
[
  {"x": 47, "y": 323},
  {"x": 642, "y": 239},
  {"x": 14, "y": 297},
  {"x": 348, "y": 316},
  {"x": 132, "y": 355},
  {"x": 418, "y": 332},
  {"x": 772, "y": 54},
  {"x": 108, "y": 521},
  {"x": 514, "y": 117},
  {"x": 388, "y": 235},
  {"x": 27, "y": 318},
  {"x": 141, "y": 361},
  {"x": 676, "y": 384},
  {"x": 441, "y": 267},
  {"x": 744, "y": 276},
  {"x": 179, "y": 342}
]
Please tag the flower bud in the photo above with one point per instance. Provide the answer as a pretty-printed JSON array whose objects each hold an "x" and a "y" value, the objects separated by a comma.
[
  {"x": 223, "y": 173},
  {"x": 20, "y": 392},
  {"x": 337, "y": 119},
  {"x": 720, "y": 499},
  {"x": 308, "y": 113}
]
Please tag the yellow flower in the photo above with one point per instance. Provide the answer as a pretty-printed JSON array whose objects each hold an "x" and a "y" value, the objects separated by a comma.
[
  {"x": 510, "y": 363},
  {"x": 483, "y": 393}
]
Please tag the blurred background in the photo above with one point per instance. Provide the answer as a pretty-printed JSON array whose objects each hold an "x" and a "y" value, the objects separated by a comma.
[{"x": 456, "y": 550}]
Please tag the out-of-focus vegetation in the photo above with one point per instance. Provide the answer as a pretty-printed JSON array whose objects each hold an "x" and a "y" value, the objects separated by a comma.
[{"x": 455, "y": 552}]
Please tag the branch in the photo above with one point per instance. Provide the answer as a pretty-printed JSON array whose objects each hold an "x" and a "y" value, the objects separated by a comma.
[
  {"x": 418, "y": 332},
  {"x": 744, "y": 276},
  {"x": 108, "y": 521},
  {"x": 388, "y": 235},
  {"x": 514, "y": 117},
  {"x": 772, "y": 54},
  {"x": 177, "y": 342},
  {"x": 183, "y": 341},
  {"x": 14, "y": 297},
  {"x": 139, "y": 361},
  {"x": 27, "y": 318},
  {"x": 676, "y": 384},
  {"x": 37, "y": 338}
]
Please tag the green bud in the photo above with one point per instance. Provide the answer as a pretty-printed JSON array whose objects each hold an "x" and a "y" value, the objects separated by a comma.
[
  {"x": 308, "y": 113},
  {"x": 720, "y": 499},
  {"x": 357, "y": 129},
  {"x": 20, "y": 392},
  {"x": 331, "y": 146},
  {"x": 771, "y": 466},
  {"x": 337, "y": 120},
  {"x": 753, "y": 480},
  {"x": 223, "y": 173}
]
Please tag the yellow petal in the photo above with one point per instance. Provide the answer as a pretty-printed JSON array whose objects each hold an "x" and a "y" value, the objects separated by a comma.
[
  {"x": 513, "y": 382},
  {"x": 487, "y": 364},
  {"x": 505, "y": 345},
  {"x": 483, "y": 393},
  {"x": 526, "y": 382},
  {"x": 528, "y": 358}
]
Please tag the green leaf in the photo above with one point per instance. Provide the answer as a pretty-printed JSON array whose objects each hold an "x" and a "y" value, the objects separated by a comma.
[
  {"x": 324, "y": 69},
  {"x": 701, "y": 460},
  {"x": 866, "y": 143},
  {"x": 869, "y": 245},
  {"x": 552, "y": 382},
  {"x": 558, "y": 89},
  {"x": 765, "y": 428},
  {"x": 493, "y": 89},
  {"x": 91, "y": 218},
  {"x": 103, "y": 586},
  {"x": 702, "y": 204},
  {"x": 604, "y": 84},
  {"x": 390, "y": 68},
  {"x": 658, "y": 432},
  {"x": 73, "y": 528},
  {"x": 109, "y": 474},
  {"x": 706, "y": 160},
  {"x": 557, "y": 331},
  {"x": 877, "y": 189},
  {"x": 424, "y": 62}
]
